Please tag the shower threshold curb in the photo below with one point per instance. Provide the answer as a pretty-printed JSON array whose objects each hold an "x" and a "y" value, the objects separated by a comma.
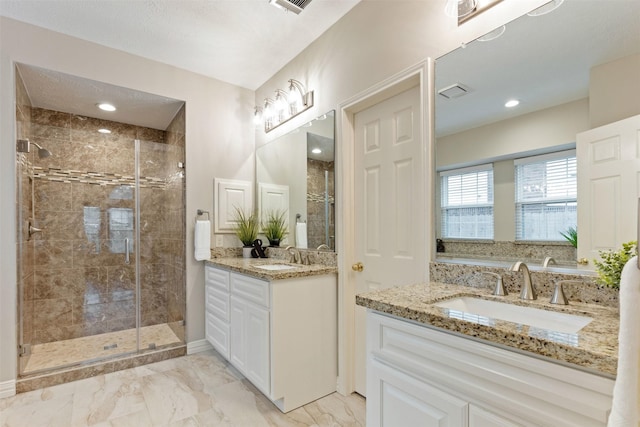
[{"x": 40, "y": 380}]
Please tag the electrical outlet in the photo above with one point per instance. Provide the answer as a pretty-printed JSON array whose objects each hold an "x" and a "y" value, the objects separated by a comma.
[{"x": 219, "y": 240}]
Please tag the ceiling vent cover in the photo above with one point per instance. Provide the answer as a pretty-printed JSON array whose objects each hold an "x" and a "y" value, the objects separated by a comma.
[
  {"x": 294, "y": 6},
  {"x": 454, "y": 91}
]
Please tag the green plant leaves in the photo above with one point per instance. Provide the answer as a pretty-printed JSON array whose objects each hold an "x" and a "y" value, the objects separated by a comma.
[{"x": 610, "y": 268}]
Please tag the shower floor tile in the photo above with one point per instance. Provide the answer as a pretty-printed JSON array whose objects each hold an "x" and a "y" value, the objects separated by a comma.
[{"x": 78, "y": 350}]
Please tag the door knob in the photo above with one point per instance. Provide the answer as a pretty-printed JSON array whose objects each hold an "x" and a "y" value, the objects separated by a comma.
[{"x": 357, "y": 266}]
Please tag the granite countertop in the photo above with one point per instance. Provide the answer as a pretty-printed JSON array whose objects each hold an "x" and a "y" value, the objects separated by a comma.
[
  {"x": 248, "y": 266},
  {"x": 594, "y": 347}
]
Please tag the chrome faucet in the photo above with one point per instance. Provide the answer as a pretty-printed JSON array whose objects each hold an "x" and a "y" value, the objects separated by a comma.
[
  {"x": 527, "y": 291},
  {"x": 322, "y": 246},
  {"x": 548, "y": 260},
  {"x": 499, "y": 289},
  {"x": 295, "y": 255}
]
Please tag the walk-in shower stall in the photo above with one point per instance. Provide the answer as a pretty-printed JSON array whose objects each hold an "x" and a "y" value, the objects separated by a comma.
[{"x": 101, "y": 237}]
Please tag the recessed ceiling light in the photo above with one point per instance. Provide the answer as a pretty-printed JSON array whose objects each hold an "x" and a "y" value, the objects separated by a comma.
[
  {"x": 492, "y": 35},
  {"x": 511, "y": 103},
  {"x": 316, "y": 151},
  {"x": 106, "y": 107},
  {"x": 546, "y": 8},
  {"x": 103, "y": 130}
]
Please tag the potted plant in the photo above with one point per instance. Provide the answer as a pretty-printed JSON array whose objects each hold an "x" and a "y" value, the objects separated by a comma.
[
  {"x": 274, "y": 226},
  {"x": 246, "y": 229},
  {"x": 571, "y": 235},
  {"x": 610, "y": 267}
]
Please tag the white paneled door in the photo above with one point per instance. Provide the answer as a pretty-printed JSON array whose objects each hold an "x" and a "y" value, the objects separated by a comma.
[
  {"x": 608, "y": 186},
  {"x": 389, "y": 208}
]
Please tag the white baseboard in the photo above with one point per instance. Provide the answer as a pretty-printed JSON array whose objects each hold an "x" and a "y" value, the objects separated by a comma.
[
  {"x": 7, "y": 388},
  {"x": 198, "y": 346}
]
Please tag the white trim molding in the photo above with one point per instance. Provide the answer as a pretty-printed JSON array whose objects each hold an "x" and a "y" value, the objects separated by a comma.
[
  {"x": 198, "y": 346},
  {"x": 7, "y": 388}
]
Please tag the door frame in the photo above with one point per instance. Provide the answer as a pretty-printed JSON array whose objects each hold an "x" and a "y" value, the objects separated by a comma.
[{"x": 421, "y": 75}]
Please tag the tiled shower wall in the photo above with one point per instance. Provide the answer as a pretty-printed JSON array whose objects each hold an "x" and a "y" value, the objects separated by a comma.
[
  {"x": 83, "y": 198},
  {"x": 316, "y": 203}
]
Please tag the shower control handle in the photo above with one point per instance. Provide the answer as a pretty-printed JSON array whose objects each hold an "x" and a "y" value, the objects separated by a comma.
[{"x": 126, "y": 251}]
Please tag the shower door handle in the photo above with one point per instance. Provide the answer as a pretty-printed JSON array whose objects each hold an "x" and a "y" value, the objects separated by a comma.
[{"x": 126, "y": 251}]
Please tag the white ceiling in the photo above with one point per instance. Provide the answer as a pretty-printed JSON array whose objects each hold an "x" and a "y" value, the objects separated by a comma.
[
  {"x": 243, "y": 42},
  {"x": 542, "y": 61}
]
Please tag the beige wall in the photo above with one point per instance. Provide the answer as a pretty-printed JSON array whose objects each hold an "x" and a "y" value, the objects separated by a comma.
[
  {"x": 374, "y": 41},
  {"x": 529, "y": 133},
  {"x": 219, "y": 134},
  {"x": 614, "y": 90}
]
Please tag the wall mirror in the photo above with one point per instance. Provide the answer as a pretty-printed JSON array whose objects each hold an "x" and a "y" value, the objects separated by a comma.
[
  {"x": 295, "y": 174},
  {"x": 545, "y": 61}
]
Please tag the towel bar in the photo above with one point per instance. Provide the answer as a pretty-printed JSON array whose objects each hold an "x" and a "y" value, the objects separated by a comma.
[{"x": 200, "y": 212}]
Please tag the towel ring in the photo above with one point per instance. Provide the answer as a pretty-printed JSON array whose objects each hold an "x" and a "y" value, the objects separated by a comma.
[{"x": 200, "y": 212}]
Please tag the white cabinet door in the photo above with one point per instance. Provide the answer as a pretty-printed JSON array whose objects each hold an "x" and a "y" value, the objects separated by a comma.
[
  {"x": 405, "y": 401},
  {"x": 237, "y": 339},
  {"x": 249, "y": 342},
  {"x": 258, "y": 367},
  {"x": 478, "y": 417}
]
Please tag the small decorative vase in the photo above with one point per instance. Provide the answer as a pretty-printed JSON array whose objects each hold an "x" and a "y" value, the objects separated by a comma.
[
  {"x": 275, "y": 242},
  {"x": 246, "y": 251}
]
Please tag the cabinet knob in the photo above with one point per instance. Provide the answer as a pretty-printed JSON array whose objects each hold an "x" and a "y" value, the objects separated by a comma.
[
  {"x": 583, "y": 261},
  {"x": 358, "y": 266}
]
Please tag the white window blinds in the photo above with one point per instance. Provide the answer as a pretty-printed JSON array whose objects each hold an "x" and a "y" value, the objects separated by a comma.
[
  {"x": 546, "y": 196},
  {"x": 467, "y": 202}
]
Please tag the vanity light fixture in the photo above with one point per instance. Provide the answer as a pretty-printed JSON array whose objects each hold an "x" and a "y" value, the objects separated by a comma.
[
  {"x": 284, "y": 107},
  {"x": 104, "y": 130},
  {"x": 511, "y": 103},
  {"x": 316, "y": 151},
  {"x": 257, "y": 115},
  {"x": 104, "y": 106},
  {"x": 464, "y": 10}
]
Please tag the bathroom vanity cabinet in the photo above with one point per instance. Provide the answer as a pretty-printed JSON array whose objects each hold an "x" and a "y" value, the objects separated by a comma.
[
  {"x": 418, "y": 375},
  {"x": 280, "y": 334}
]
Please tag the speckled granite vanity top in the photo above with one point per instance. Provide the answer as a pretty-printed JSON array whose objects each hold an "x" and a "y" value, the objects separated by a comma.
[
  {"x": 250, "y": 266},
  {"x": 594, "y": 347}
]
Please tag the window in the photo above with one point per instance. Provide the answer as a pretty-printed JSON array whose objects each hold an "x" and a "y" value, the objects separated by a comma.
[
  {"x": 467, "y": 202},
  {"x": 546, "y": 196}
]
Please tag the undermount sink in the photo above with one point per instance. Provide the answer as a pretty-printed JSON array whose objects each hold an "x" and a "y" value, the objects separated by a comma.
[
  {"x": 276, "y": 267},
  {"x": 534, "y": 317}
]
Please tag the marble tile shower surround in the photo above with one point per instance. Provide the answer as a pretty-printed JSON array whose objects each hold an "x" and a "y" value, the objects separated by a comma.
[
  {"x": 512, "y": 251},
  {"x": 80, "y": 286},
  {"x": 544, "y": 282},
  {"x": 316, "y": 204},
  {"x": 195, "y": 390}
]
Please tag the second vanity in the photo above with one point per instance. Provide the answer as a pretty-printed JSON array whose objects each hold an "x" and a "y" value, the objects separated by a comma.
[
  {"x": 432, "y": 365},
  {"x": 276, "y": 322}
]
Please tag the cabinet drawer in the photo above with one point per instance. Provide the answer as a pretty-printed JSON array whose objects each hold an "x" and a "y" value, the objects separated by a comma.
[
  {"x": 216, "y": 277},
  {"x": 250, "y": 289},
  {"x": 217, "y": 302},
  {"x": 217, "y": 333}
]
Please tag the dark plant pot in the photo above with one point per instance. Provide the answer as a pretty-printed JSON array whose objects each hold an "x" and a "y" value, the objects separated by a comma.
[{"x": 275, "y": 242}]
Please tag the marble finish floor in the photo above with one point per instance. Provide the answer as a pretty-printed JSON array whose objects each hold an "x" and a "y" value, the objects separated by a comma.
[
  {"x": 194, "y": 390},
  {"x": 70, "y": 352}
]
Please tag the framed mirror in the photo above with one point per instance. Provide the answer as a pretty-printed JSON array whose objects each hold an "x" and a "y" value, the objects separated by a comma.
[
  {"x": 295, "y": 174},
  {"x": 556, "y": 65}
]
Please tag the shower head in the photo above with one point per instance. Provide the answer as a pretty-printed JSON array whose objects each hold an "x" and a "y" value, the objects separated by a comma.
[{"x": 42, "y": 152}]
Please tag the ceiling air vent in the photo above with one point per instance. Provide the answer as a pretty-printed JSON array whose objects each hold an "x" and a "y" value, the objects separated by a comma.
[
  {"x": 454, "y": 91},
  {"x": 294, "y": 6}
]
